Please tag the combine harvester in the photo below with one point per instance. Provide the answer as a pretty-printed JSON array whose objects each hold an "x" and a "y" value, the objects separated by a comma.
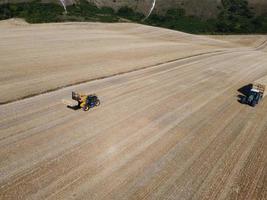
[
  {"x": 256, "y": 93},
  {"x": 85, "y": 101}
]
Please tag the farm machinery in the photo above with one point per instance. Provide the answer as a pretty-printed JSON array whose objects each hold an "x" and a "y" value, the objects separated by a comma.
[
  {"x": 86, "y": 101},
  {"x": 255, "y": 94}
]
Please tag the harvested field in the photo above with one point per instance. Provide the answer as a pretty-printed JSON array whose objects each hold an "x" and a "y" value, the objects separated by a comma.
[
  {"x": 256, "y": 41},
  {"x": 39, "y": 58},
  {"x": 168, "y": 131}
]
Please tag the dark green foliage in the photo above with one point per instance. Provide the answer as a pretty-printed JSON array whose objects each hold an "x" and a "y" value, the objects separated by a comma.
[
  {"x": 86, "y": 11},
  {"x": 36, "y": 12},
  {"x": 107, "y": 10},
  {"x": 177, "y": 20},
  {"x": 261, "y": 23},
  {"x": 235, "y": 16},
  {"x": 174, "y": 14},
  {"x": 33, "y": 12},
  {"x": 128, "y": 13}
]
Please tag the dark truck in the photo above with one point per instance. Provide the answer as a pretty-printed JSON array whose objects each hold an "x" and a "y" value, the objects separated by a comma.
[{"x": 255, "y": 94}]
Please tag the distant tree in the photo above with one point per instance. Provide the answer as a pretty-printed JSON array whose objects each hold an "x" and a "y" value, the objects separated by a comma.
[
  {"x": 235, "y": 16},
  {"x": 130, "y": 14}
]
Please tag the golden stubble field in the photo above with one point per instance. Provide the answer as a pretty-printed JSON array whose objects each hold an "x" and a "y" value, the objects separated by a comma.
[
  {"x": 169, "y": 125},
  {"x": 39, "y": 58}
]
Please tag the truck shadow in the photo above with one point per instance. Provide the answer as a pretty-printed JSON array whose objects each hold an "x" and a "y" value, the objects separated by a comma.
[{"x": 244, "y": 92}]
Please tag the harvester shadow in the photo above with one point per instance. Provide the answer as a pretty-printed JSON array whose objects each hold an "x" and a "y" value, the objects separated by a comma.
[
  {"x": 244, "y": 92},
  {"x": 74, "y": 107}
]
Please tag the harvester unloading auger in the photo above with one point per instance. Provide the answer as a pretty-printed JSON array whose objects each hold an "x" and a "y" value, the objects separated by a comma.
[{"x": 85, "y": 101}]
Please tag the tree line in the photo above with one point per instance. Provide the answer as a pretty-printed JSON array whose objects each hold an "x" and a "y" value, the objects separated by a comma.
[{"x": 234, "y": 16}]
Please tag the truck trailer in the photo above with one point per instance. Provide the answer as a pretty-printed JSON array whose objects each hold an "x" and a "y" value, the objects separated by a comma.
[{"x": 256, "y": 93}]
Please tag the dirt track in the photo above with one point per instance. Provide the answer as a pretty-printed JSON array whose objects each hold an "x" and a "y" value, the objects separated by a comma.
[{"x": 172, "y": 131}]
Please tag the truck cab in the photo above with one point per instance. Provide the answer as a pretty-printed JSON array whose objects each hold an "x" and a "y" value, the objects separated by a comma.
[{"x": 254, "y": 96}]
